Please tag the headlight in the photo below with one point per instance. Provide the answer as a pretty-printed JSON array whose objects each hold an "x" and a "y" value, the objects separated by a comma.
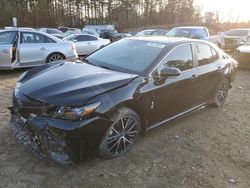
[{"x": 76, "y": 113}]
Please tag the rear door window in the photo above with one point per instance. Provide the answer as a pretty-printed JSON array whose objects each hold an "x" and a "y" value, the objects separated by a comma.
[
  {"x": 28, "y": 37},
  {"x": 82, "y": 38},
  {"x": 204, "y": 54}
]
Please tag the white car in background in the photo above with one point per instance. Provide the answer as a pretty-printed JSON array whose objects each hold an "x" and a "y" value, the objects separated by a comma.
[
  {"x": 53, "y": 31},
  {"x": 90, "y": 32},
  {"x": 86, "y": 44},
  {"x": 26, "y": 48}
]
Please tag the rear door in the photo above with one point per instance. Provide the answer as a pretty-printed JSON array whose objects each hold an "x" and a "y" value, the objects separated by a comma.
[
  {"x": 7, "y": 52},
  {"x": 33, "y": 47},
  {"x": 86, "y": 44},
  {"x": 208, "y": 70}
]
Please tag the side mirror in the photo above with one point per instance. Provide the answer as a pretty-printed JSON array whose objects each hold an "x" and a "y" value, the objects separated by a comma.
[
  {"x": 74, "y": 40},
  {"x": 170, "y": 71}
]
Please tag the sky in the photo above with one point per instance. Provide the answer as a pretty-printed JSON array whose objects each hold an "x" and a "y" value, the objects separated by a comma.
[{"x": 230, "y": 10}]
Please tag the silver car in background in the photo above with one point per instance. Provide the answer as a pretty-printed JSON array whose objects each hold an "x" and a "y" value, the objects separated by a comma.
[
  {"x": 23, "y": 48},
  {"x": 53, "y": 31},
  {"x": 86, "y": 44}
]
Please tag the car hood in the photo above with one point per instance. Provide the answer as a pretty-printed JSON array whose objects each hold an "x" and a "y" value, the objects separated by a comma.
[
  {"x": 69, "y": 84},
  {"x": 235, "y": 37}
]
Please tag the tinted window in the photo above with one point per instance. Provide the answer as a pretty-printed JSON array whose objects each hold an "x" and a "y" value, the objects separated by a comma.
[
  {"x": 54, "y": 31},
  {"x": 90, "y": 38},
  {"x": 180, "y": 58},
  {"x": 204, "y": 54},
  {"x": 155, "y": 33},
  {"x": 7, "y": 37},
  {"x": 35, "y": 38},
  {"x": 85, "y": 38},
  {"x": 133, "y": 56}
]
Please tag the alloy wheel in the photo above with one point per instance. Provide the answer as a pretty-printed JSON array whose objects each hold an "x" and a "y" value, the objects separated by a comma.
[
  {"x": 223, "y": 92},
  {"x": 55, "y": 57},
  {"x": 122, "y": 135}
]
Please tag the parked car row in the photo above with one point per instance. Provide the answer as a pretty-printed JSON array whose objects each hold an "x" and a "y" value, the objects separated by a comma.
[
  {"x": 87, "y": 40},
  {"x": 28, "y": 47}
]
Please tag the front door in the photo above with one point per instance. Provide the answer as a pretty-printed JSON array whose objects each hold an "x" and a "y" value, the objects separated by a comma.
[
  {"x": 174, "y": 95},
  {"x": 7, "y": 53}
]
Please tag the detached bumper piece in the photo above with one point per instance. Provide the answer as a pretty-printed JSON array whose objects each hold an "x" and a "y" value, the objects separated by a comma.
[{"x": 44, "y": 143}]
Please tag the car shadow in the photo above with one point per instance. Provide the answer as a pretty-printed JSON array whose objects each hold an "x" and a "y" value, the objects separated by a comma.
[{"x": 10, "y": 74}]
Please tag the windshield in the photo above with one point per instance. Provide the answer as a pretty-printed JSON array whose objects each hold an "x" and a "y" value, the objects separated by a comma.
[
  {"x": 132, "y": 56},
  {"x": 180, "y": 32},
  {"x": 54, "y": 31},
  {"x": 145, "y": 32},
  {"x": 69, "y": 38},
  {"x": 237, "y": 33}
]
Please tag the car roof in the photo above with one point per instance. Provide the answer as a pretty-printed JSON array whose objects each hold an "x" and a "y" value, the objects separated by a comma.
[
  {"x": 80, "y": 34},
  {"x": 33, "y": 31},
  {"x": 164, "y": 40},
  {"x": 190, "y": 27}
]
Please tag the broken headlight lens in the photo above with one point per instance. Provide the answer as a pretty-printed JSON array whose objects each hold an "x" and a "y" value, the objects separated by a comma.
[{"x": 76, "y": 113}]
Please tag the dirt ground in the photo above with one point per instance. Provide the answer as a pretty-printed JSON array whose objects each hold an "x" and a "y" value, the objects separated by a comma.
[{"x": 209, "y": 148}]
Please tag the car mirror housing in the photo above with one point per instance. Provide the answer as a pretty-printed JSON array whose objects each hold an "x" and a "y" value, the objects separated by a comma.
[
  {"x": 74, "y": 40},
  {"x": 170, "y": 71}
]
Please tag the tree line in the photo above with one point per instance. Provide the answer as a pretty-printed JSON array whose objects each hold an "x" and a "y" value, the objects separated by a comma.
[{"x": 77, "y": 13}]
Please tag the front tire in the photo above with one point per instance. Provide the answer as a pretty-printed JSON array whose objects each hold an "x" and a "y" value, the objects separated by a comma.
[
  {"x": 122, "y": 134},
  {"x": 221, "y": 93}
]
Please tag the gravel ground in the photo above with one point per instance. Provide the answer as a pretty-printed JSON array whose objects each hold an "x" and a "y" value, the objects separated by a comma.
[{"x": 208, "y": 148}]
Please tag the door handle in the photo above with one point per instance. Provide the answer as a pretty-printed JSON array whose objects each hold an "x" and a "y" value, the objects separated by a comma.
[
  {"x": 194, "y": 76},
  {"x": 5, "y": 51},
  {"x": 42, "y": 48},
  {"x": 219, "y": 69}
]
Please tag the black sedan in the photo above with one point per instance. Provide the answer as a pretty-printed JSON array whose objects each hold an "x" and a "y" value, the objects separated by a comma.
[{"x": 61, "y": 110}]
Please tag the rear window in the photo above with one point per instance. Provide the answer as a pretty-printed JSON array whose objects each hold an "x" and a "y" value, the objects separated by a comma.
[{"x": 238, "y": 32}]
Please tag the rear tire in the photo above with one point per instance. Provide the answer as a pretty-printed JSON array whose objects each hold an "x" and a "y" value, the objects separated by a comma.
[
  {"x": 54, "y": 57},
  {"x": 122, "y": 134},
  {"x": 221, "y": 93}
]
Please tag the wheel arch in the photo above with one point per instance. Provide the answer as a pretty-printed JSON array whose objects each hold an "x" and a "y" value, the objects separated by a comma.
[
  {"x": 52, "y": 53},
  {"x": 136, "y": 107}
]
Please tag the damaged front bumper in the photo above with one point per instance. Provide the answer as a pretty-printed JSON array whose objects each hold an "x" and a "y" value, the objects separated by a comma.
[{"x": 63, "y": 142}]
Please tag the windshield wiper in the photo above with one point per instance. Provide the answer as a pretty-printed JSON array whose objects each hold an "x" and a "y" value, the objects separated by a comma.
[
  {"x": 88, "y": 62},
  {"x": 103, "y": 66}
]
